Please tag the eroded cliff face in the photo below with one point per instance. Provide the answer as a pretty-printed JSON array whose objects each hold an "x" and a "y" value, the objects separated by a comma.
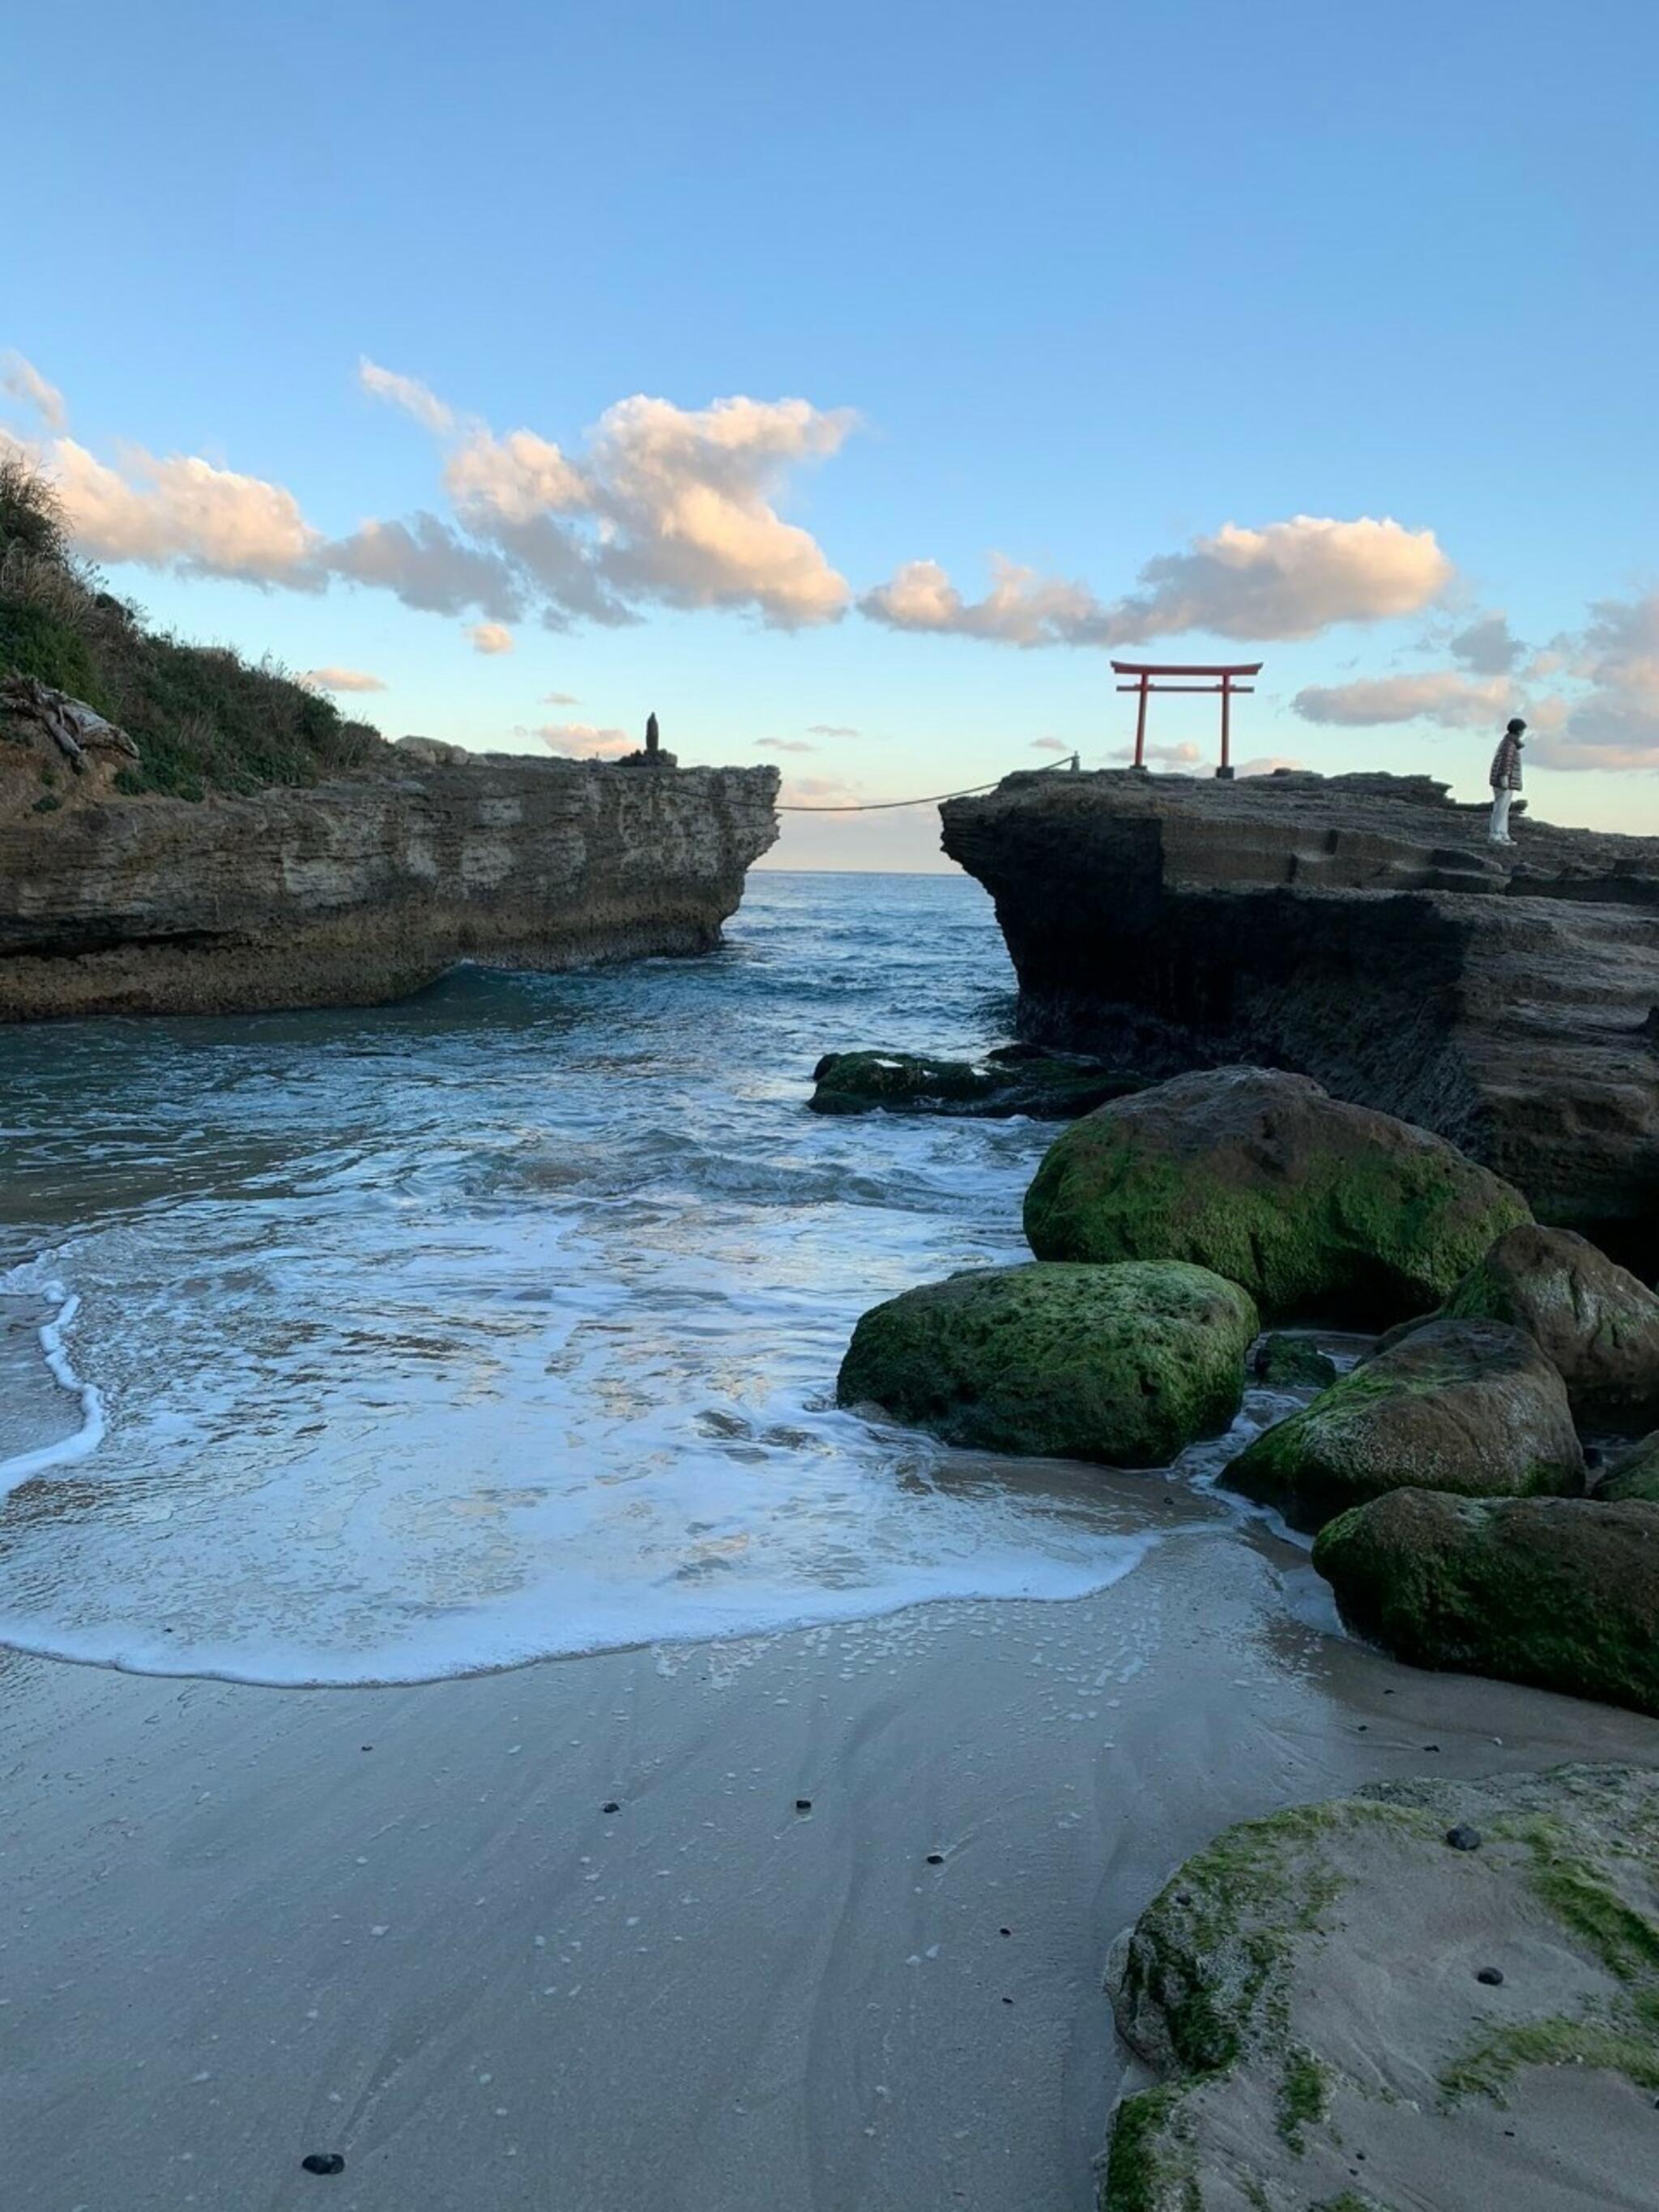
[
  {"x": 1358, "y": 929},
  {"x": 357, "y": 891}
]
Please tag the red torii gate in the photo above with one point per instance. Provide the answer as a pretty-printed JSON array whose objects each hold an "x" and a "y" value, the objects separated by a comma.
[{"x": 1228, "y": 687}]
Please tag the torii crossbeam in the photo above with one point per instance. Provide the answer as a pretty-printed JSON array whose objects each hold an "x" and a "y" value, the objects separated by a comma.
[{"x": 1145, "y": 672}]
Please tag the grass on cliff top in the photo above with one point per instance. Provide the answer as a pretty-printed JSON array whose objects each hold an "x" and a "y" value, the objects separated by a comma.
[{"x": 203, "y": 718}]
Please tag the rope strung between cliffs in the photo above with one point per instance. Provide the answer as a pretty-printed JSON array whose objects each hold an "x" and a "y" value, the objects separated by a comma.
[{"x": 934, "y": 799}]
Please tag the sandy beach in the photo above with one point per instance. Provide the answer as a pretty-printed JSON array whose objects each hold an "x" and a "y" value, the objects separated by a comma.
[{"x": 247, "y": 1926}]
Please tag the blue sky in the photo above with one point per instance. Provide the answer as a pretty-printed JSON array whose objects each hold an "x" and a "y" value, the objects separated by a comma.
[{"x": 1096, "y": 282}]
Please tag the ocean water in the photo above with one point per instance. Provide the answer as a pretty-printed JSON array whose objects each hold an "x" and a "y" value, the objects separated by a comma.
[{"x": 503, "y": 1323}]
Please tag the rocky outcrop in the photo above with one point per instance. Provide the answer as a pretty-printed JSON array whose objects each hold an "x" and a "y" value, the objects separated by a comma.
[
  {"x": 1633, "y": 1475},
  {"x": 1560, "y": 1592},
  {"x": 1469, "y": 1406},
  {"x": 1358, "y": 929},
  {"x": 359, "y": 890},
  {"x": 1119, "y": 1365},
  {"x": 1596, "y": 1325},
  {"x": 1431, "y": 1993},
  {"x": 1012, "y": 1080},
  {"x": 1317, "y": 1207}
]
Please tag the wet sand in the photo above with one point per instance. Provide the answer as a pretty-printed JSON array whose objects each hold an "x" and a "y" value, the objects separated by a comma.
[{"x": 246, "y": 1925}]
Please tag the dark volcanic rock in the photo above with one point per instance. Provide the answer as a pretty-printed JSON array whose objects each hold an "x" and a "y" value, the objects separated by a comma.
[
  {"x": 1315, "y": 1206},
  {"x": 1359, "y": 929},
  {"x": 1469, "y": 1406},
  {"x": 1020, "y": 1079},
  {"x": 1120, "y": 1365},
  {"x": 1562, "y": 1592},
  {"x": 1598, "y": 1325}
]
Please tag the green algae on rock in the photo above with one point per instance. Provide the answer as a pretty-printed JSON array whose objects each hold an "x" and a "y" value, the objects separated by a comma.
[
  {"x": 1306, "y": 1987},
  {"x": 1560, "y": 1592},
  {"x": 1469, "y": 1406},
  {"x": 1014, "y": 1079},
  {"x": 1292, "y": 1362},
  {"x": 1596, "y": 1323},
  {"x": 1318, "y": 1208},
  {"x": 1122, "y": 1365}
]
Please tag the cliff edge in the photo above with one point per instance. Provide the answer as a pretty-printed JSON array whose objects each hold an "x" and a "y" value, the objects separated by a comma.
[
  {"x": 1358, "y": 929},
  {"x": 359, "y": 889}
]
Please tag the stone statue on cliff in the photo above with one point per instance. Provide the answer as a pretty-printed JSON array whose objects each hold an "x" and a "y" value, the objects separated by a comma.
[
  {"x": 652, "y": 739},
  {"x": 1506, "y": 780}
]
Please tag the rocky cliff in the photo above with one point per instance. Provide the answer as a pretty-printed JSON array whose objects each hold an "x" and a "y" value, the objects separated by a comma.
[
  {"x": 359, "y": 890},
  {"x": 1358, "y": 929}
]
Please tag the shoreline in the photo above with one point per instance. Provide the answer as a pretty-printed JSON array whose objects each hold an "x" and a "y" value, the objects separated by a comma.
[{"x": 252, "y": 1938}]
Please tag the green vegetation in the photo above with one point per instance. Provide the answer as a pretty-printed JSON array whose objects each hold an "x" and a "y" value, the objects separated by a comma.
[
  {"x": 204, "y": 720},
  {"x": 1119, "y": 1365},
  {"x": 1149, "y": 2154},
  {"x": 1303, "y": 2095}
]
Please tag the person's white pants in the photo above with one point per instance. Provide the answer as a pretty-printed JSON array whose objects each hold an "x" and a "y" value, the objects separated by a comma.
[{"x": 1500, "y": 832}]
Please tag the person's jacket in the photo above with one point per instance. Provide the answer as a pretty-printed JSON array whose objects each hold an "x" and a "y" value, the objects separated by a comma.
[{"x": 1506, "y": 764}]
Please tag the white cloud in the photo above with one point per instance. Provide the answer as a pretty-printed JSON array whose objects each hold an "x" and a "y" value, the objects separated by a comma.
[
  {"x": 1287, "y": 580},
  {"x": 1180, "y": 756},
  {"x": 1049, "y": 746},
  {"x": 1266, "y": 764},
  {"x": 181, "y": 512},
  {"x": 1455, "y": 702},
  {"x": 1616, "y": 724},
  {"x": 584, "y": 742},
  {"x": 25, "y": 382},
  {"x": 830, "y": 730},
  {"x": 560, "y": 698},
  {"x": 490, "y": 637},
  {"x": 829, "y": 792},
  {"x": 428, "y": 566},
  {"x": 1488, "y": 646},
  {"x": 783, "y": 746},
  {"x": 341, "y": 679},
  {"x": 407, "y": 392}
]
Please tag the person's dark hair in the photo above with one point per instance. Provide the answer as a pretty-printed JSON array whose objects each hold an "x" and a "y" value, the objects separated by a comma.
[{"x": 1516, "y": 727}]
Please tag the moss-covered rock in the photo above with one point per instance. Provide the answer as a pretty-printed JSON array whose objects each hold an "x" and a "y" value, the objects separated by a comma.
[
  {"x": 1318, "y": 1208},
  {"x": 1596, "y": 1323},
  {"x": 1633, "y": 1476},
  {"x": 1469, "y": 1406},
  {"x": 1562, "y": 1592},
  {"x": 1308, "y": 1990},
  {"x": 1013, "y": 1079},
  {"x": 1123, "y": 1365},
  {"x": 1291, "y": 1362}
]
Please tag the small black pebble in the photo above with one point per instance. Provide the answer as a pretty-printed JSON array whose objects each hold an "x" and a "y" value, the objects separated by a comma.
[
  {"x": 1492, "y": 1976},
  {"x": 1388, "y": 1693},
  {"x": 803, "y": 1804},
  {"x": 1183, "y": 1897},
  {"x": 936, "y": 1858},
  {"x": 1463, "y": 1837},
  {"x": 1007, "y": 2001},
  {"x": 368, "y": 1747},
  {"x": 324, "y": 2161},
  {"x": 610, "y": 1806},
  {"x": 1364, "y": 1725},
  {"x": 1430, "y": 1747},
  {"x": 1005, "y": 1931}
]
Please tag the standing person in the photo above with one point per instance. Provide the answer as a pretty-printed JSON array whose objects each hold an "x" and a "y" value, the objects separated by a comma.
[{"x": 1506, "y": 780}]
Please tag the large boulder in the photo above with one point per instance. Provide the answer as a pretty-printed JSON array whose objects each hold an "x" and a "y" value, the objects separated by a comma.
[
  {"x": 1123, "y": 1365},
  {"x": 1432, "y": 1993},
  {"x": 1562, "y": 1592},
  {"x": 1013, "y": 1079},
  {"x": 1469, "y": 1406},
  {"x": 1597, "y": 1325},
  {"x": 1633, "y": 1474},
  {"x": 1318, "y": 1208}
]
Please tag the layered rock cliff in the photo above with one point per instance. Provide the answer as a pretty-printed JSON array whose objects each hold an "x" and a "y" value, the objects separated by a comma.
[
  {"x": 359, "y": 890},
  {"x": 1358, "y": 929}
]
